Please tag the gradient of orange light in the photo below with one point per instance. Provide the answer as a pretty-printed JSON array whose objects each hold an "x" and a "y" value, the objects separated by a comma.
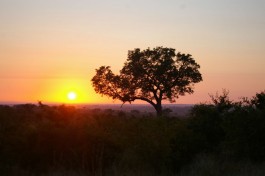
[{"x": 56, "y": 91}]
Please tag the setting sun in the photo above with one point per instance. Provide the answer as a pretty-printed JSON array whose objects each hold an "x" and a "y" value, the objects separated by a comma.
[{"x": 71, "y": 95}]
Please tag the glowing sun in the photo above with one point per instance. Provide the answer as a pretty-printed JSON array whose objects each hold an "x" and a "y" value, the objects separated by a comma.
[{"x": 71, "y": 95}]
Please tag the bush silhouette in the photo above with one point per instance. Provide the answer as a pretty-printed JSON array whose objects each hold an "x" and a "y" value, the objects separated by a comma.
[{"x": 41, "y": 139}]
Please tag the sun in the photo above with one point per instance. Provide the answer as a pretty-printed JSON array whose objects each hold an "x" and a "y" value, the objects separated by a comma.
[{"x": 71, "y": 95}]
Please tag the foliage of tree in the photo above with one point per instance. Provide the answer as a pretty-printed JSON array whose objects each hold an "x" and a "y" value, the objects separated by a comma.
[
  {"x": 151, "y": 75},
  {"x": 221, "y": 102},
  {"x": 259, "y": 100}
]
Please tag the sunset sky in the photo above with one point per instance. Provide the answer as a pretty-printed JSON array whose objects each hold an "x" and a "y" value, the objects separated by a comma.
[{"x": 49, "y": 48}]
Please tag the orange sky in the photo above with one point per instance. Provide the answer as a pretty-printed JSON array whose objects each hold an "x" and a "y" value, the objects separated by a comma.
[{"x": 49, "y": 48}]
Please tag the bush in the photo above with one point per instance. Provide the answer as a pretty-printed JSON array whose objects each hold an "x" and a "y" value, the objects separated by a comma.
[{"x": 43, "y": 139}]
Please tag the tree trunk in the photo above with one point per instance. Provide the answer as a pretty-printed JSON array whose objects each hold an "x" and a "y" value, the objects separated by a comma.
[
  {"x": 159, "y": 109},
  {"x": 157, "y": 106}
]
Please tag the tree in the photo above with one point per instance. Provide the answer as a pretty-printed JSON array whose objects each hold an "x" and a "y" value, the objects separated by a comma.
[
  {"x": 222, "y": 102},
  {"x": 259, "y": 100},
  {"x": 151, "y": 75}
]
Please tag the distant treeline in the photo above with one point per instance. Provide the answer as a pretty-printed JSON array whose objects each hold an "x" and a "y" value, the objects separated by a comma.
[{"x": 41, "y": 139}]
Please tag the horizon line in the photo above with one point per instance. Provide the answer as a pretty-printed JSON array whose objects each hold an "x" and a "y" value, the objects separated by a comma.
[{"x": 60, "y": 103}]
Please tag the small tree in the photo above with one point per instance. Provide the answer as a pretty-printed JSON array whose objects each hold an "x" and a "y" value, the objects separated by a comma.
[
  {"x": 259, "y": 100},
  {"x": 222, "y": 102},
  {"x": 151, "y": 75}
]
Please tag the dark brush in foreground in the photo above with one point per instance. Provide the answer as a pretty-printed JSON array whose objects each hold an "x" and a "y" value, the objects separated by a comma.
[{"x": 225, "y": 136}]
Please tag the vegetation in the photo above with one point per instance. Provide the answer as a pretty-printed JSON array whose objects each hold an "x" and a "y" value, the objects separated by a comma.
[
  {"x": 151, "y": 76},
  {"x": 219, "y": 138}
]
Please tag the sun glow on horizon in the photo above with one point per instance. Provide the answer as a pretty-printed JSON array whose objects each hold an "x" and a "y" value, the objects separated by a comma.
[
  {"x": 68, "y": 91},
  {"x": 72, "y": 95}
]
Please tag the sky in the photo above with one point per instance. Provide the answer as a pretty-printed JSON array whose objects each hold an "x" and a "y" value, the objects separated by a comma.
[{"x": 51, "y": 47}]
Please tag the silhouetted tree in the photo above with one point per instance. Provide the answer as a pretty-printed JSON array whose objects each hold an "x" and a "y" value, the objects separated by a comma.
[
  {"x": 151, "y": 75},
  {"x": 222, "y": 102},
  {"x": 259, "y": 100}
]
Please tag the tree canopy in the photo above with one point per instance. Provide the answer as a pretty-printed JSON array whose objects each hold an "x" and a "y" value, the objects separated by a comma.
[{"x": 151, "y": 75}]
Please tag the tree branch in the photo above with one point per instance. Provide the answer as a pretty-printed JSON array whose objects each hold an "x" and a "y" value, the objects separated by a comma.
[{"x": 145, "y": 99}]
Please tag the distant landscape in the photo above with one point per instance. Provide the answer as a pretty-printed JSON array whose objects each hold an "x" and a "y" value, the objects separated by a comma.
[{"x": 176, "y": 109}]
